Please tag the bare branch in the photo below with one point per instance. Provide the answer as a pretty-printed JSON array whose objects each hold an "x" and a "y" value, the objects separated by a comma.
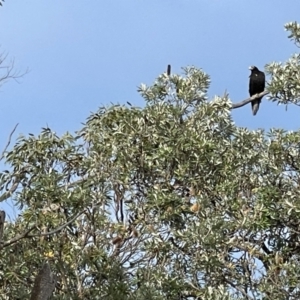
[
  {"x": 9, "y": 72},
  {"x": 44, "y": 284},
  {"x": 8, "y": 142},
  {"x": 246, "y": 101}
]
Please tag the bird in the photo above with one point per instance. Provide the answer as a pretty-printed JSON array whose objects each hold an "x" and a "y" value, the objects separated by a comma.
[{"x": 256, "y": 86}]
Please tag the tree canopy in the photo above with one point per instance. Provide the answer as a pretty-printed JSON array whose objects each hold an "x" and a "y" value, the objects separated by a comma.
[{"x": 168, "y": 201}]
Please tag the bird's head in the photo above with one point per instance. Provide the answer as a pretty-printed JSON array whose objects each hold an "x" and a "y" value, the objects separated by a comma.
[{"x": 253, "y": 68}]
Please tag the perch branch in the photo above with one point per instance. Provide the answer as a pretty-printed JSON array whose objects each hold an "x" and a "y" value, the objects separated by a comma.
[{"x": 246, "y": 101}]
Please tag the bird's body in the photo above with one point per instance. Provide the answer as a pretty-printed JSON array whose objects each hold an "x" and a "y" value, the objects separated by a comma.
[{"x": 256, "y": 86}]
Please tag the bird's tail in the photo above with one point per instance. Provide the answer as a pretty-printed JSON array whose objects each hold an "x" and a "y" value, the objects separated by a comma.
[{"x": 255, "y": 106}]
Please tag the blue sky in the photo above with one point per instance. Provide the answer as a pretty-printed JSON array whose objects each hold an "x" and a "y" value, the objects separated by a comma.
[{"x": 84, "y": 54}]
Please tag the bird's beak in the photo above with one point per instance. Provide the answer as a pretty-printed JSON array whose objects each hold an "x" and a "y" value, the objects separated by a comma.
[{"x": 251, "y": 68}]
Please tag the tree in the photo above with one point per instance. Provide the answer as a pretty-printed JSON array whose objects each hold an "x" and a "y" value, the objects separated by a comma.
[{"x": 171, "y": 201}]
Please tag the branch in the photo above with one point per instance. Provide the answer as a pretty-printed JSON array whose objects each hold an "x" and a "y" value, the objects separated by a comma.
[
  {"x": 8, "y": 142},
  {"x": 27, "y": 235},
  {"x": 58, "y": 228},
  {"x": 18, "y": 237},
  {"x": 238, "y": 288},
  {"x": 246, "y": 101}
]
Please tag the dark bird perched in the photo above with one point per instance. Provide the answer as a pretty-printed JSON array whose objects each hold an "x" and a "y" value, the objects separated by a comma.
[{"x": 256, "y": 86}]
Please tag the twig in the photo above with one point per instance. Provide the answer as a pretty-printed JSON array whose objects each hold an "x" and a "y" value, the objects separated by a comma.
[
  {"x": 246, "y": 101},
  {"x": 9, "y": 74},
  {"x": 8, "y": 142},
  {"x": 238, "y": 288}
]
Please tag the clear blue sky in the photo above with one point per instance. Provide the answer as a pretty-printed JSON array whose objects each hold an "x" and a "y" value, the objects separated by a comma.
[{"x": 83, "y": 54}]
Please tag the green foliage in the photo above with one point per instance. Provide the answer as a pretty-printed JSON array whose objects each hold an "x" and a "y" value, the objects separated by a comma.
[
  {"x": 285, "y": 84},
  {"x": 294, "y": 29},
  {"x": 168, "y": 201}
]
